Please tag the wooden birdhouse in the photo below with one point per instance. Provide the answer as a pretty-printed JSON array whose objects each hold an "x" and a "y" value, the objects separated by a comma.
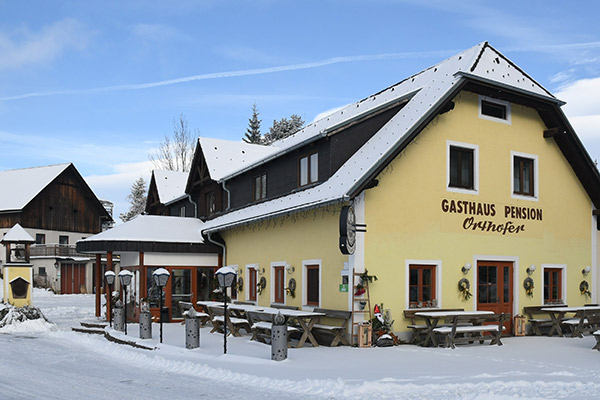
[{"x": 18, "y": 272}]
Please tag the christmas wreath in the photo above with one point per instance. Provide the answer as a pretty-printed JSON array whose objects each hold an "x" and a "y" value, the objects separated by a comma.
[
  {"x": 463, "y": 287},
  {"x": 291, "y": 289},
  {"x": 528, "y": 285},
  {"x": 584, "y": 288},
  {"x": 261, "y": 285}
]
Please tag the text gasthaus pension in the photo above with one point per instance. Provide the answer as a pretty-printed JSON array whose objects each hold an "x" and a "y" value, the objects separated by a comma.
[{"x": 474, "y": 209}]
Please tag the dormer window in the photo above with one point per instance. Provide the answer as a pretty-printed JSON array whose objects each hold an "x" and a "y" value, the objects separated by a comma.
[
  {"x": 494, "y": 110},
  {"x": 211, "y": 203},
  {"x": 260, "y": 187},
  {"x": 308, "y": 169}
]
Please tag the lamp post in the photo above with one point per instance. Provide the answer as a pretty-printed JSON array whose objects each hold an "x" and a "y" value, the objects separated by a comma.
[
  {"x": 125, "y": 278},
  {"x": 109, "y": 276},
  {"x": 226, "y": 276},
  {"x": 161, "y": 277}
]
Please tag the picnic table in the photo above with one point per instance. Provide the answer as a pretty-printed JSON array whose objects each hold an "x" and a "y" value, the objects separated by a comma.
[
  {"x": 578, "y": 323},
  {"x": 306, "y": 320},
  {"x": 432, "y": 319}
]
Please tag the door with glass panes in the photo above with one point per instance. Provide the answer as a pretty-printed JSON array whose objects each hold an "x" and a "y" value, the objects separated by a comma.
[{"x": 495, "y": 290}]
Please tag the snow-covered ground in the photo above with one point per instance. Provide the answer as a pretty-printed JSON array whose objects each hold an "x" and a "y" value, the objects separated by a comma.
[{"x": 49, "y": 361}]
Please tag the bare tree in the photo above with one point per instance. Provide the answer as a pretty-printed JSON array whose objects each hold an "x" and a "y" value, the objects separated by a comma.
[{"x": 175, "y": 153}]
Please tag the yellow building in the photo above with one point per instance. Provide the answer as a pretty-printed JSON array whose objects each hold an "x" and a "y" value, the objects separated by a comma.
[{"x": 463, "y": 186}]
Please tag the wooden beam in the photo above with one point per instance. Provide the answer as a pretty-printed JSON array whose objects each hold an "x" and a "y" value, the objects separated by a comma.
[
  {"x": 97, "y": 270},
  {"x": 552, "y": 132}
]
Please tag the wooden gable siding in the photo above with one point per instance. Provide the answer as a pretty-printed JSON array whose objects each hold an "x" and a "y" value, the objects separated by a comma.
[
  {"x": 199, "y": 194},
  {"x": 174, "y": 209},
  {"x": 153, "y": 204},
  {"x": 64, "y": 205},
  {"x": 334, "y": 151}
]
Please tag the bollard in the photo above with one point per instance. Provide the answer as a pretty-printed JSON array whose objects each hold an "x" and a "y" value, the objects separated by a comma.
[
  {"x": 145, "y": 325},
  {"x": 192, "y": 329},
  {"x": 279, "y": 338},
  {"x": 119, "y": 317}
]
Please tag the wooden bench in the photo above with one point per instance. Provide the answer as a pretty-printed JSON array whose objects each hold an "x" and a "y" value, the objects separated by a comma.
[
  {"x": 583, "y": 321},
  {"x": 184, "y": 306},
  {"x": 235, "y": 324},
  {"x": 468, "y": 329},
  {"x": 283, "y": 307},
  {"x": 332, "y": 335},
  {"x": 261, "y": 325},
  {"x": 533, "y": 313},
  {"x": 419, "y": 329}
]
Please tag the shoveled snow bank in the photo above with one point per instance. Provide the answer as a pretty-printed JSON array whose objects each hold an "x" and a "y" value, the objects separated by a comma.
[{"x": 23, "y": 319}]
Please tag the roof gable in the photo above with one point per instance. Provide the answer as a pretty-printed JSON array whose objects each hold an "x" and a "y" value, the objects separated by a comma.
[
  {"x": 170, "y": 185},
  {"x": 20, "y": 186},
  {"x": 17, "y": 234}
]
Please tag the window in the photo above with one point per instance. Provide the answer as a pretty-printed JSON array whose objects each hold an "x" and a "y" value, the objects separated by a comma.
[
  {"x": 421, "y": 285},
  {"x": 279, "y": 284},
  {"x": 182, "y": 211},
  {"x": 308, "y": 169},
  {"x": 40, "y": 238},
  {"x": 252, "y": 282},
  {"x": 312, "y": 285},
  {"x": 494, "y": 110},
  {"x": 211, "y": 203},
  {"x": 63, "y": 240},
  {"x": 553, "y": 286},
  {"x": 42, "y": 271},
  {"x": 260, "y": 187},
  {"x": 523, "y": 176},
  {"x": 461, "y": 168}
]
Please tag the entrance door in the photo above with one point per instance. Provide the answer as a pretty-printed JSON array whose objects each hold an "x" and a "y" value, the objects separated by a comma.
[
  {"x": 72, "y": 279},
  {"x": 494, "y": 289},
  {"x": 181, "y": 290}
]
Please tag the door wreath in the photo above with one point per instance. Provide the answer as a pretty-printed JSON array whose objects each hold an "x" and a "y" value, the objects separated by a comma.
[
  {"x": 463, "y": 287},
  {"x": 528, "y": 286}
]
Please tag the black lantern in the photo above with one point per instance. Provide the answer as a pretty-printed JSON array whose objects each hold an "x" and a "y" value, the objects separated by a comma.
[
  {"x": 226, "y": 277},
  {"x": 161, "y": 277},
  {"x": 125, "y": 277},
  {"x": 109, "y": 276}
]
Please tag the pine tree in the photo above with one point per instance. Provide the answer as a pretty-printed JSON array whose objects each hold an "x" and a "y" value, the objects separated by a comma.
[
  {"x": 137, "y": 200},
  {"x": 253, "y": 132},
  {"x": 283, "y": 128}
]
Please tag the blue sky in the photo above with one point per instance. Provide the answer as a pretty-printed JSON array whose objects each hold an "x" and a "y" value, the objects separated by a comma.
[{"x": 100, "y": 83}]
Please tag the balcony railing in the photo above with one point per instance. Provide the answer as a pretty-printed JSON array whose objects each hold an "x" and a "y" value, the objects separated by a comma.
[{"x": 52, "y": 250}]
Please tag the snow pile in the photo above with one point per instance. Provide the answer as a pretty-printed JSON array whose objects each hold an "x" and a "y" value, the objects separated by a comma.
[{"x": 23, "y": 319}]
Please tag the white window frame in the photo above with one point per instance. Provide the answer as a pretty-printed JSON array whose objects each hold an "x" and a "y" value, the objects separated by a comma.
[
  {"x": 469, "y": 146},
  {"x": 438, "y": 280},
  {"x": 506, "y": 104},
  {"x": 272, "y": 285},
  {"x": 536, "y": 174},
  {"x": 247, "y": 283},
  {"x": 563, "y": 280},
  {"x": 305, "y": 263}
]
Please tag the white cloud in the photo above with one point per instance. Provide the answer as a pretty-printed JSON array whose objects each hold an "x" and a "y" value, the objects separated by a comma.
[
  {"x": 157, "y": 32},
  {"x": 23, "y": 47}
]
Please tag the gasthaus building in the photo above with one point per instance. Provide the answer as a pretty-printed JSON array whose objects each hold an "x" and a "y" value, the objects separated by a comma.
[{"x": 467, "y": 173}]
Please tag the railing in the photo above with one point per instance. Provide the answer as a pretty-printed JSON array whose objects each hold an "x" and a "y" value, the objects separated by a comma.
[{"x": 51, "y": 250}]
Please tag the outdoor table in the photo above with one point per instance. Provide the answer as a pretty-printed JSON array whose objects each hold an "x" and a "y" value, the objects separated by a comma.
[
  {"x": 557, "y": 314},
  {"x": 306, "y": 319},
  {"x": 205, "y": 304},
  {"x": 239, "y": 310},
  {"x": 432, "y": 318}
]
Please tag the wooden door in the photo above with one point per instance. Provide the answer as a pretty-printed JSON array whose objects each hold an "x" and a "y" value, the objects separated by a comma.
[
  {"x": 279, "y": 285},
  {"x": 72, "y": 279},
  {"x": 495, "y": 289}
]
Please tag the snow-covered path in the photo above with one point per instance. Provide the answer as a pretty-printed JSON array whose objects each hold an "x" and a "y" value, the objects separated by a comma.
[{"x": 38, "y": 362}]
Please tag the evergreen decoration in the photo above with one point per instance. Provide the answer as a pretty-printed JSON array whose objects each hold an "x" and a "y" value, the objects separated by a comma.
[
  {"x": 463, "y": 287},
  {"x": 137, "y": 200},
  {"x": 253, "y": 134},
  {"x": 528, "y": 285},
  {"x": 584, "y": 288}
]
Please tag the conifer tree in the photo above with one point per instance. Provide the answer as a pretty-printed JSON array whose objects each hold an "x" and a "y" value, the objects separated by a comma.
[
  {"x": 137, "y": 200},
  {"x": 283, "y": 128},
  {"x": 253, "y": 134}
]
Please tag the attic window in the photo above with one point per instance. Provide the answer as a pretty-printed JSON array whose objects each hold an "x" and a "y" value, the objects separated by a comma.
[{"x": 494, "y": 110}]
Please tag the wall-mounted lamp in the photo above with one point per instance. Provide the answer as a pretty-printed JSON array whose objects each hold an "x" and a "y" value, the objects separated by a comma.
[
  {"x": 586, "y": 270},
  {"x": 531, "y": 269},
  {"x": 289, "y": 268},
  {"x": 258, "y": 269},
  {"x": 466, "y": 268}
]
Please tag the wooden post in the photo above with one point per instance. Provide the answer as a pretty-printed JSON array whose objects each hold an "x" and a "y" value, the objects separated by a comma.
[
  {"x": 98, "y": 270},
  {"x": 109, "y": 267}
]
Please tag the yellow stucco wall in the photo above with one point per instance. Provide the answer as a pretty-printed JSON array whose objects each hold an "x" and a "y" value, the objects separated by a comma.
[
  {"x": 13, "y": 272},
  {"x": 305, "y": 236},
  {"x": 406, "y": 222}
]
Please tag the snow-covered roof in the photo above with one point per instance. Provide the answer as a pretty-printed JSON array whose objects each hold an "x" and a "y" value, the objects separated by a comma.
[
  {"x": 424, "y": 91},
  {"x": 225, "y": 157},
  {"x": 170, "y": 185},
  {"x": 17, "y": 234},
  {"x": 153, "y": 228},
  {"x": 20, "y": 186}
]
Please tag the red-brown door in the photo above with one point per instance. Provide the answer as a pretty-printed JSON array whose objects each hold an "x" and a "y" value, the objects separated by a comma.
[
  {"x": 279, "y": 285},
  {"x": 495, "y": 290},
  {"x": 72, "y": 279}
]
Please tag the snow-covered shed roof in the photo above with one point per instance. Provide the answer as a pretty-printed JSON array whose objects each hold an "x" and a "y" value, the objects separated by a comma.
[
  {"x": 17, "y": 234},
  {"x": 170, "y": 185},
  {"x": 426, "y": 93},
  {"x": 20, "y": 186},
  {"x": 225, "y": 157}
]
